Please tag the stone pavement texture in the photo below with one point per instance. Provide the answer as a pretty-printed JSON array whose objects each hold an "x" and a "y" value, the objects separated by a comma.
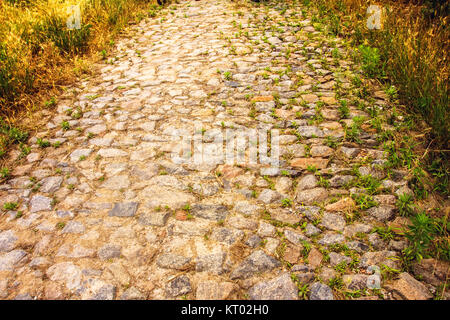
[{"x": 104, "y": 213}]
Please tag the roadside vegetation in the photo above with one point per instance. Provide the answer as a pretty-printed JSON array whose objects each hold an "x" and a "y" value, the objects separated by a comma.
[
  {"x": 39, "y": 55},
  {"x": 408, "y": 57}
]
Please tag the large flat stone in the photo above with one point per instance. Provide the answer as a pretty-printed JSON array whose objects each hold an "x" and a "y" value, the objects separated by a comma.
[
  {"x": 125, "y": 209},
  {"x": 305, "y": 163},
  {"x": 257, "y": 262},
  {"x": 279, "y": 288}
]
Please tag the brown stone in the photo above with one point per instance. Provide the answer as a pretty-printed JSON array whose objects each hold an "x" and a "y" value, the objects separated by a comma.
[
  {"x": 229, "y": 172},
  {"x": 328, "y": 100},
  {"x": 291, "y": 254},
  {"x": 285, "y": 114},
  {"x": 368, "y": 128},
  {"x": 181, "y": 215},
  {"x": 409, "y": 288},
  {"x": 333, "y": 125},
  {"x": 211, "y": 290},
  {"x": 53, "y": 291},
  {"x": 309, "y": 98},
  {"x": 202, "y": 112},
  {"x": 399, "y": 224},
  {"x": 321, "y": 151},
  {"x": 331, "y": 114},
  {"x": 343, "y": 205},
  {"x": 432, "y": 271},
  {"x": 315, "y": 258},
  {"x": 22, "y": 170},
  {"x": 304, "y": 163},
  {"x": 285, "y": 216},
  {"x": 262, "y": 98}
]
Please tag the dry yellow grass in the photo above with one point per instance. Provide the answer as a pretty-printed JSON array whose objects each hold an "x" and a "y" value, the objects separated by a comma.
[
  {"x": 414, "y": 49},
  {"x": 38, "y": 54}
]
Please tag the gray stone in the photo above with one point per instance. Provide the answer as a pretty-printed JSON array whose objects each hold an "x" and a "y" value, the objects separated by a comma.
[
  {"x": 331, "y": 238},
  {"x": 279, "y": 288},
  {"x": 358, "y": 246},
  {"x": 8, "y": 240},
  {"x": 311, "y": 196},
  {"x": 274, "y": 40},
  {"x": 75, "y": 156},
  {"x": 310, "y": 131},
  {"x": 65, "y": 214},
  {"x": 74, "y": 251},
  {"x": 246, "y": 207},
  {"x": 270, "y": 172},
  {"x": 355, "y": 281},
  {"x": 307, "y": 182},
  {"x": 311, "y": 212},
  {"x": 66, "y": 272},
  {"x": 266, "y": 229},
  {"x": 173, "y": 261},
  {"x": 257, "y": 262},
  {"x": 378, "y": 258},
  {"x": 40, "y": 203},
  {"x": 125, "y": 209},
  {"x": 167, "y": 181},
  {"x": 253, "y": 241},
  {"x": 227, "y": 235},
  {"x": 212, "y": 263},
  {"x": 320, "y": 291},
  {"x": 340, "y": 181},
  {"x": 397, "y": 245},
  {"x": 99, "y": 290},
  {"x": 382, "y": 213},
  {"x": 179, "y": 286},
  {"x": 28, "y": 220},
  {"x": 120, "y": 182},
  {"x": 333, "y": 221},
  {"x": 112, "y": 153},
  {"x": 23, "y": 296},
  {"x": 9, "y": 261},
  {"x": 97, "y": 129},
  {"x": 50, "y": 184},
  {"x": 311, "y": 230},
  {"x": 349, "y": 152},
  {"x": 101, "y": 142},
  {"x": 336, "y": 258},
  {"x": 376, "y": 241},
  {"x": 210, "y": 211},
  {"x": 294, "y": 237},
  {"x": 39, "y": 262},
  {"x": 73, "y": 227},
  {"x": 269, "y": 196},
  {"x": 353, "y": 229},
  {"x": 132, "y": 293},
  {"x": 109, "y": 251}
]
